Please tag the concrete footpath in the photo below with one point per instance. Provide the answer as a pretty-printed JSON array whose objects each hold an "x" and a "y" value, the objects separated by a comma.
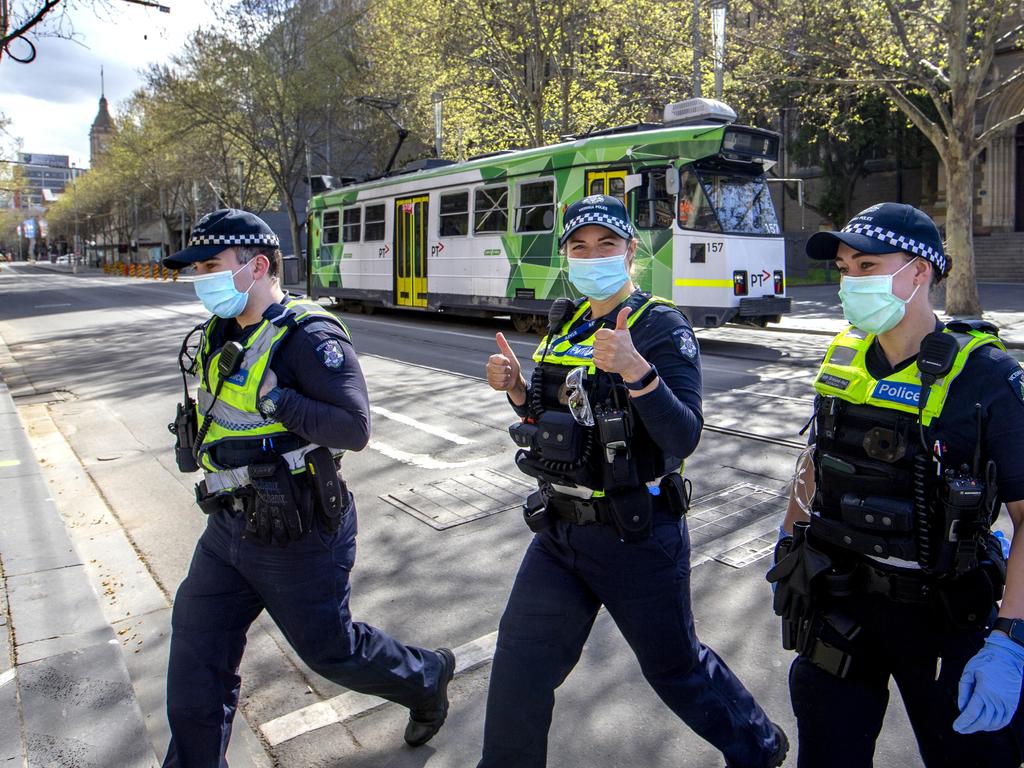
[{"x": 65, "y": 690}]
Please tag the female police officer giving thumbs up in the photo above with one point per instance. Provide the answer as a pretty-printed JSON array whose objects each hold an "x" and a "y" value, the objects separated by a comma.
[{"x": 612, "y": 409}]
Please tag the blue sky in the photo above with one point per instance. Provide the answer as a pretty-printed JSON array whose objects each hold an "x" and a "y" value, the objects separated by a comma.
[{"x": 52, "y": 101}]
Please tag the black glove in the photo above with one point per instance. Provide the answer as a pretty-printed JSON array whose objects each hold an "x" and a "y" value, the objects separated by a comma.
[{"x": 274, "y": 514}]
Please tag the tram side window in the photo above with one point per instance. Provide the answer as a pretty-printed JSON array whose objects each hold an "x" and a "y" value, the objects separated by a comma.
[
  {"x": 490, "y": 209},
  {"x": 350, "y": 225},
  {"x": 332, "y": 228},
  {"x": 536, "y": 210},
  {"x": 694, "y": 210},
  {"x": 653, "y": 203},
  {"x": 374, "y": 223},
  {"x": 455, "y": 214}
]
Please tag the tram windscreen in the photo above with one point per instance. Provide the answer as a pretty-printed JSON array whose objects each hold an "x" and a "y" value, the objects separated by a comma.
[{"x": 743, "y": 203}]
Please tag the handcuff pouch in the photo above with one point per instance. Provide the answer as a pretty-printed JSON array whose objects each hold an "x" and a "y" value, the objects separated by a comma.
[{"x": 631, "y": 512}]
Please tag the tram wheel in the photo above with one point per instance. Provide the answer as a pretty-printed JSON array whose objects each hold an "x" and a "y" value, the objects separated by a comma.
[{"x": 522, "y": 323}]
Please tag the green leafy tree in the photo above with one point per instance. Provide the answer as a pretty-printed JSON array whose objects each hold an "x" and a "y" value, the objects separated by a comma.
[
  {"x": 935, "y": 63},
  {"x": 263, "y": 80}
]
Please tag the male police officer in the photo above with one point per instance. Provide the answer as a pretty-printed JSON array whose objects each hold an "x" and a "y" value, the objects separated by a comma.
[
  {"x": 281, "y": 529},
  {"x": 893, "y": 571}
]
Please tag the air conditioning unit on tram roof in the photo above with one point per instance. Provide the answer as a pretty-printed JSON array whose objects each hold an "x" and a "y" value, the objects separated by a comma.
[{"x": 693, "y": 111}]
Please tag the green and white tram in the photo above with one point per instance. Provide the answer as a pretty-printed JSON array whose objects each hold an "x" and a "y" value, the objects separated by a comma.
[{"x": 481, "y": 237}]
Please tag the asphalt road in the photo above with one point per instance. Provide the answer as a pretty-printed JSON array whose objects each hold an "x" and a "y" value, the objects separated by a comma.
[{"x": 97, "y": 354}]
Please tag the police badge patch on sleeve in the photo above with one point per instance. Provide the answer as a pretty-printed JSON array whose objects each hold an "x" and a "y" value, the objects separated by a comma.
[
  {"x": 331, "y": 354},
  {"x": 685, "y": 342},
  {"x": 1016, "y": 381}
]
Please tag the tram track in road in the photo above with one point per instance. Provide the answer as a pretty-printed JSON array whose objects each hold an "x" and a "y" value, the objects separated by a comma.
[{"x": 755, "y": 436}]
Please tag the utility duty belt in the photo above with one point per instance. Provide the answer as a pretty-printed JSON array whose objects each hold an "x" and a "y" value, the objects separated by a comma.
[
  {"x": 279, "y": 505},
  {"x": 629, "y": 511},
  {"x": 815, "y": 583}
]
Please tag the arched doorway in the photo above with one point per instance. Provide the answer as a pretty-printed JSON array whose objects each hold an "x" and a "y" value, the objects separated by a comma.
[{"x": 1018, "y": 186}]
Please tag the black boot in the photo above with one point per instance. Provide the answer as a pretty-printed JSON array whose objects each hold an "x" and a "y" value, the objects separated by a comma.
[{"x": 427, "y": 720}]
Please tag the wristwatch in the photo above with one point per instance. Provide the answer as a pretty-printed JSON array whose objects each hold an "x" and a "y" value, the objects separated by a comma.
[
  {"x": 1014, "y": 628},
  {"x": 643, "y": 381},
  {"x": 267, "y": 405}
]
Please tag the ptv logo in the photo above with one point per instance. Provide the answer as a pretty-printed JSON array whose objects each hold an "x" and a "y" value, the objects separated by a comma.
[
  {"x": 907, "y": 394},
  {"x": 760, "y": 279}
]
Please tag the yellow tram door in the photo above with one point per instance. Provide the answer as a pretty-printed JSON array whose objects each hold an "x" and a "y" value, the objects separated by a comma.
[
  {"x": 411, "y": 252},
  {"x": 607, "y": 182}
]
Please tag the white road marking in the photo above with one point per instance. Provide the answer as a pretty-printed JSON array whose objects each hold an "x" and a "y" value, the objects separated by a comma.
[
  {"x": 9, "y": 463},
  {"x": 421, "y": 460},
  {"x": 7, "y": 676},
  {"x": 47, "y": 306},
  {"x": 352, "y": 704},
  {"x": 411, "y": 422}
]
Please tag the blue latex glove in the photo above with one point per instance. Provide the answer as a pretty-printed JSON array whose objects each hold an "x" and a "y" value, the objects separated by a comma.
[
  {"x": 1004, "y": 544},
  {"x": 990, "y": 686}
]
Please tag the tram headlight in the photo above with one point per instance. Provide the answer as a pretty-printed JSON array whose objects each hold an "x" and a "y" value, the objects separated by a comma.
[
  {"x": 780, "y": 283},
  {"x": 739, "y": 283}
]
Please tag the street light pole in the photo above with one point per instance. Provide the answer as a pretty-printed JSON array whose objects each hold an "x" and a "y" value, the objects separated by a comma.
[
  {"x": 718, "y": 9},
  {"x": 74, "y": 192}
]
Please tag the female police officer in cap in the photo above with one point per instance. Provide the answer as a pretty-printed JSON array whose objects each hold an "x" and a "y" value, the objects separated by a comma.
[
  {"x": 612, "y": 410},
  {"x": 281, "y": 529},
  {"x": 893, "y": 572}
]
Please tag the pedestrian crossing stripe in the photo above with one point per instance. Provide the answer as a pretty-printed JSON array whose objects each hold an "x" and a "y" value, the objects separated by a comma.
[{"x": 9, "y": 463}]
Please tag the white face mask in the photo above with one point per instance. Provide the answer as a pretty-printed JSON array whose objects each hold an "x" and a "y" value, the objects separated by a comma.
[{"x": 869, "y": 303}]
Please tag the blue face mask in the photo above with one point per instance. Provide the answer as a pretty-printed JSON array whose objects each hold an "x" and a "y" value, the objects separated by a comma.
[
  {"x": 218, "y": 293},
  {"x": 598, "y": 278}
]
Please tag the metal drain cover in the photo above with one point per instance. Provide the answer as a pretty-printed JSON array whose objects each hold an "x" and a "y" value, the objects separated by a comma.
[
  {"x": 457, "y": 500},
  {"x": 730, "y": 525},
  {"x": 748, "y": 552}
]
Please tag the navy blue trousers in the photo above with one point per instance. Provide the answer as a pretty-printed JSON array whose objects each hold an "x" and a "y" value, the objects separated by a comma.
[
  {"x": 839, "y": 719},
  {"x": 305, "y": 589},
  {"x": 568, "y": 573}
]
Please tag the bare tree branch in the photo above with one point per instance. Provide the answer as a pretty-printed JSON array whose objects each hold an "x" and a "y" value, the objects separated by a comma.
[{"x": 45, "y": 8}]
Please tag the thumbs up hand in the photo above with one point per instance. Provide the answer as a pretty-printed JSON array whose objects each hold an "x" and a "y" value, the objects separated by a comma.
[
  {"x": 504, "y": 373},
  {"x": 613, "y": 347}
]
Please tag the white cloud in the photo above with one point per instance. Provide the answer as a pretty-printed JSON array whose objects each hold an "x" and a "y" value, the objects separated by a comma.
[{"x": 53, "y": 101}]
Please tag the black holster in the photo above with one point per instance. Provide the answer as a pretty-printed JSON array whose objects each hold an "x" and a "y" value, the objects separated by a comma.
[
  {"x": 677, "y": 492},
  {"x": 536, "y": 513},
  {"x": 208, "y": 502},
  {"x": 795, "y": 577},
  {"x": 330, "y": 494}
]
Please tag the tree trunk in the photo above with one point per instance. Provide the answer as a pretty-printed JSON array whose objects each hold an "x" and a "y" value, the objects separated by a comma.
[{"x": 962, "y": 288}]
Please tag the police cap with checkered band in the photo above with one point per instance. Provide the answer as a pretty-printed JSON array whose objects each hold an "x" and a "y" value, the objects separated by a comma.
[
  {"x": 885, "y": 228},
  {"x": 604, "y": 210},
  {"x": 223, "y": 229}
]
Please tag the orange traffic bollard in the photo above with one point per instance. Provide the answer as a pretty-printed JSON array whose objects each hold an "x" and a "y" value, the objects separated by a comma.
[{"x": 174, "y": 276}]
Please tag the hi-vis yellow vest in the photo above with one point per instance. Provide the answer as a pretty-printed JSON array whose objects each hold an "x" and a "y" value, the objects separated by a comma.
[
  {"x": 234, "y": 416},
  {"x": 844, "y": 374},
  {"x": 564, "y": 351}
]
